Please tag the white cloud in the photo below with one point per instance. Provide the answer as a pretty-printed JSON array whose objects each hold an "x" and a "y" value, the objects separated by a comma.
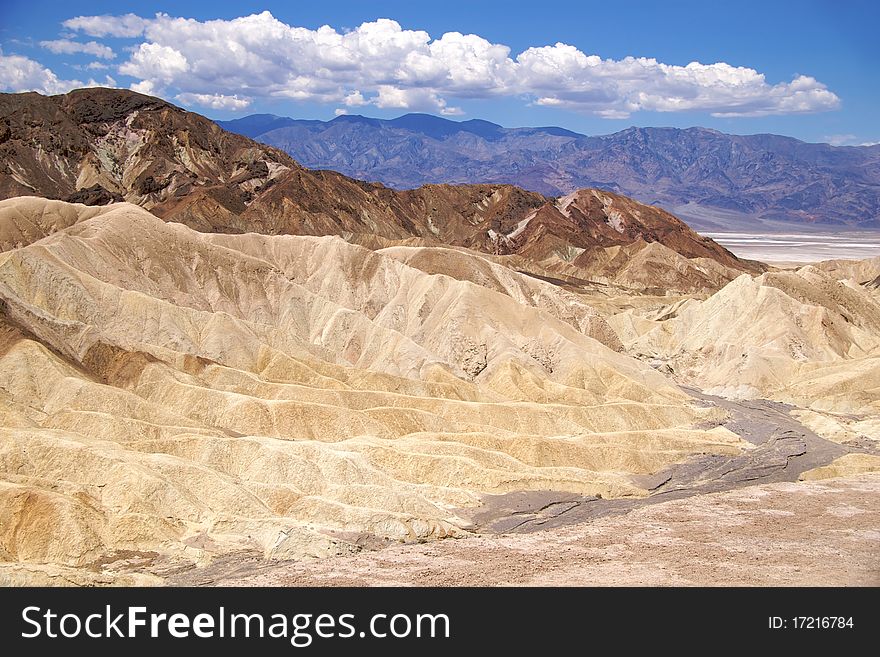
[
  {"x": 128, "y": 25},
  {"x": 19, "y": 74},
  {"x": 470, "y": 65},
  {"x": 840, "y": 140},
  {"x": 847, "y": 140},
  {"x": 414, "y": 99},
  {"x": 68, "y": 47},
  {"x": 106, "y": 82},
  {"x": 340, "y": 111},
  {"x": 164, "y": 63},
  {"x": 354, "y": 99},
  {"x": 563, "y": 76},
  {"x": 215, "y": 101},
  {"x": 382, "y": 64},
  {"x": 96, "y": 66},
  {"x": 144, "y": 87}
]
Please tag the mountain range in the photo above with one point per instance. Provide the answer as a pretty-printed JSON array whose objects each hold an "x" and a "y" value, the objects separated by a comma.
[
  {"x": 714, "y": 180},
  {"x": 100, "y": 145}
]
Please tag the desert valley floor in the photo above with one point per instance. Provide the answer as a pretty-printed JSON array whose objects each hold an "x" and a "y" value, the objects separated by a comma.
[{"x": 800, "y": 248}]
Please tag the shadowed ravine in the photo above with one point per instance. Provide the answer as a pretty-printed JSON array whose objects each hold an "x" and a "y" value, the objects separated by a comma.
[{"x": 784, "y": 449}]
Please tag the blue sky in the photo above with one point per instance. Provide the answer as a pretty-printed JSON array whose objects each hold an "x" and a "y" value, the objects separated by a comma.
[{"x": 806, "y": 69}]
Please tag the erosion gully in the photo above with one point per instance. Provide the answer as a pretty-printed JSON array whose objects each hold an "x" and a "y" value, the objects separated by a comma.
[{"x": 784, "y": 449}]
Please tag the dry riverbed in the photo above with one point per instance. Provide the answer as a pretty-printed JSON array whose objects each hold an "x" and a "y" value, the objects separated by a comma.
[
  {"x": 737, "y": 520},
  {"x": 794, "y": 533}
]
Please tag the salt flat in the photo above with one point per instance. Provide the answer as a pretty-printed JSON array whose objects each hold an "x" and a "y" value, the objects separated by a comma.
[{"x": 800, "y": 247}]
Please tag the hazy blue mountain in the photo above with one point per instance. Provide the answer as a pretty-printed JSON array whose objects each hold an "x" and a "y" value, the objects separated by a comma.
[
  {"x": 713, "y": 179},
  {"x": 256, "y": 124}
]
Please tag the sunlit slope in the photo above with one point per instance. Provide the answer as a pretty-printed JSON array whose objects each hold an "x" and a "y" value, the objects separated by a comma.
[
  {"x": 802, "y": 337},
  {"x": 168, "y": 396}
]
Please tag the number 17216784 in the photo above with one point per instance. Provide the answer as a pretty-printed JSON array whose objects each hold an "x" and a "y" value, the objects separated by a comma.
[{"x": 811, "y": 623}]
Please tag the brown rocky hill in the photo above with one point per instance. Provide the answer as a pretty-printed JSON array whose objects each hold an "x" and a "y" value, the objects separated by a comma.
[{"x": 100, "y": 145}]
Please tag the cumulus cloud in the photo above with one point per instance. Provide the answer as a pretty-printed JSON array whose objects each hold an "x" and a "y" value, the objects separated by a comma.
[
  {"x": 389, "y": 96},
  {"x": 164, "y": 63},
  {"x": 128, "y": 25},
  {"x": 847, "y": 140},
  {"x": 19, "y": 74},
  {"x": 840, "y": 140},
  {"x": 215, "y": 101},
  {"x": 381, "y": 64},
  {"x": 108, "y": 81},
  {"x": 354, "y": 99},
  {"x": 563, "y": 76},
  {"x": 68, "y": 47}
]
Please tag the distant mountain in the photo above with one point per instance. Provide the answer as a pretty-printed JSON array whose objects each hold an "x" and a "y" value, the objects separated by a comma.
[
  {"x": 714, "y": 179},
  {"x": 99, "y": 145},
  {"x": 257, "y": 124}
]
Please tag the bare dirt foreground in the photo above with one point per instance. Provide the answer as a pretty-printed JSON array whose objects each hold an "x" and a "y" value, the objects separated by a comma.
[{"x": 804, "y": 533}]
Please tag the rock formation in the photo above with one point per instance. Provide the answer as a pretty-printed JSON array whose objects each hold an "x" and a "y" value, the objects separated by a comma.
[{"x": 181, "y": 395}]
